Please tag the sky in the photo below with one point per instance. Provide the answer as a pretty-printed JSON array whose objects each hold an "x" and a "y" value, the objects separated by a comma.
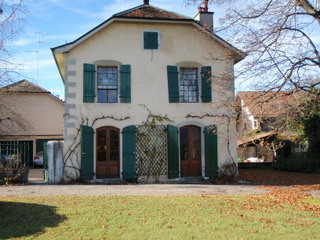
[{"x": 51, "y": 23}]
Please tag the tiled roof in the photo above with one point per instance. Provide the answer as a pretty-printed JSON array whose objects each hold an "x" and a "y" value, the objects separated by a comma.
[
  {"x": 147, "y": 11},
  {"x": 269, "y": 104},
  {"x": 23, "y": 86}
]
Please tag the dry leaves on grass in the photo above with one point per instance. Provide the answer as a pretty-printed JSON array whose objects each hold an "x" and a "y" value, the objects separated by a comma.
[
  {"x": 285, "y": 188},
  {"x": 278, "y": 178}
]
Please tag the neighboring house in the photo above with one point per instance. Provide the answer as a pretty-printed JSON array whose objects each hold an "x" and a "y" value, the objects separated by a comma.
[
  {"x": 29, "y": 116},
  {"x": 261, "y": 116},
  {"x": 264, "y": 111},
  {"x": 146, "y": 95}
]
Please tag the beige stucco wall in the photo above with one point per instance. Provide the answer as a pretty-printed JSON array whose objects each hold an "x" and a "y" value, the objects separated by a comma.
[
  {"x": 39, "y": 114},
  {"x": 180, "y": 44}
]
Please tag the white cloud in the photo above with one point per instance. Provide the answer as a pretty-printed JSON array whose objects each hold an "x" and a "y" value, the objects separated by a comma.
[{"x": 22, "y": 42}]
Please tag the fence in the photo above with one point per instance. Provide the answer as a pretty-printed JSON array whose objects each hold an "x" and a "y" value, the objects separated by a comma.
[{"x": 17, "y": 149}]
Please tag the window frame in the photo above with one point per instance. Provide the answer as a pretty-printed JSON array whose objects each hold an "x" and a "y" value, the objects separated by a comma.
[
  {"x": 118, "y": 84},
  {"x": 198, "y": 85},
  {"x": 158, "y": 38}
]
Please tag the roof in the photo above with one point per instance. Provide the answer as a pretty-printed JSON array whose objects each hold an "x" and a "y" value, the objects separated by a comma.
[
  {"x": 23, "y": 86},
  {"x": 269, "y": 104},
  {"x": 151, "y": 12},
  {"x": 141, "y": 12},
  {"x": 252, "y": 139}
]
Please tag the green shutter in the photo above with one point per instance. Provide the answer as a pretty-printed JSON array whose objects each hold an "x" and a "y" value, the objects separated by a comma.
[
  {"x": 211, "y": 151},
  {"x": 89, "y": 81},
  {"x": 125, "y": 83},
  {"x": 206, "y": 94},
  {"x": 173, "y": 151},
  {"x": 86, "y": 172},
  {"x": 173, "y": 84},
  {"x": 150, "y": 40},
  {"x": 128, "y": 153}
]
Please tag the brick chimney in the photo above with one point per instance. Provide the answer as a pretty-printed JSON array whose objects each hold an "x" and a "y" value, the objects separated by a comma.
[
  {"x": 204, "y": 16},
  {"x": 146, "y": 2}
]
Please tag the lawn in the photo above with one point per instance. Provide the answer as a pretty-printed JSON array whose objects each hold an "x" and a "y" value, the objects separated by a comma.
[{"x": 285, "y": 213}]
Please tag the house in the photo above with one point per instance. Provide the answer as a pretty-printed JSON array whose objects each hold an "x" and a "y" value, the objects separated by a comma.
[
  {"x": 262, "y": 116},
  {"x": 145, "y": 97},
  {"x": 264, "y": 111},
  {"x": 29, "y": 116}
]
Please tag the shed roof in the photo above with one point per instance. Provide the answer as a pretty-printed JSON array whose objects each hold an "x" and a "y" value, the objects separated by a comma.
[{"x": 23, "y": 86}]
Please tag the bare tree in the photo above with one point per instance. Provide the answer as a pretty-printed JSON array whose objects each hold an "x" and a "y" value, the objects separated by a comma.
[
  {"x": 12, "y": 21},
  {"x": 281, "y": 38}
]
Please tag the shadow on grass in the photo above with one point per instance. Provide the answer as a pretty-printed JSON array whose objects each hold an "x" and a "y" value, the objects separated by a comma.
[{"x": 23, "y": 219}]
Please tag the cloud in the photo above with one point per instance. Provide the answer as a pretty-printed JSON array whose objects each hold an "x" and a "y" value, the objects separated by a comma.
[{"x": 22, "y": 42}]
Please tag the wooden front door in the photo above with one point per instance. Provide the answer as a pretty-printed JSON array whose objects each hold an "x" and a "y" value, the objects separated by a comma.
[
  {"x": 190, "y": 151},
  {"x": 108, "y": 163}
]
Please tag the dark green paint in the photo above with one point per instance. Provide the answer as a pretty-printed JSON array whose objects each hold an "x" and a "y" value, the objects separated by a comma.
[
  {"x": 128, "y": 153},
  {"x": 173, "y": 84},
  {"x": 173, "y": 151},
  {"x": 211, "y": 151},
  {"x": 206, "y": 95},
  {"x": 125, "y": 83},
  {"x": 87, "y": 138},
  {"x": 151, "y": 40},
  {"x": 89, "y": 83}
]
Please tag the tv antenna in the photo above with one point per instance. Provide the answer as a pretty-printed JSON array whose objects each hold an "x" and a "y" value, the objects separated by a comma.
[{"x": 38, "y": 56}]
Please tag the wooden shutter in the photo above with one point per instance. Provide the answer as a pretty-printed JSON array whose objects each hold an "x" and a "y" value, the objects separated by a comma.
[
  {"x": 173, "y": 151},
  {"x": 150, "y": 40},
  {"x": 89, "y": 82},
  {"x": 206, "y": 94},
  {"x": 211, "y": 151},
  {"x": 86, "y": 172},
  {"x": 173, "y": 84},
  {"x": 125, "y": 83},
  {"x": 128, "y": 153}
]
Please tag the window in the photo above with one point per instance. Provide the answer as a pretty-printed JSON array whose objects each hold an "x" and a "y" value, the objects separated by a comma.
[
  {"x": 183, "y": 85},
  {"x": 151, "y": 40},
  {"x": 107, "y": 79},
  {"x": 189, "y": 85},
  {"x": 105, "y": 84}
]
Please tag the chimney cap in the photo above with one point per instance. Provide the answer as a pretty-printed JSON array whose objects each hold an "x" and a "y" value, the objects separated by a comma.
[
  {"x": 145, "y": 2},
  {"x": 205, "y": 6}
]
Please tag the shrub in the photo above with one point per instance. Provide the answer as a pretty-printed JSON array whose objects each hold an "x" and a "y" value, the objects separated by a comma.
[{"x": 12, "y": 169}]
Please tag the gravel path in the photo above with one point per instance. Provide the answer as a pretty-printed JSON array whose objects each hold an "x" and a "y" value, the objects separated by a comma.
[{"x": 141, "y": 189}]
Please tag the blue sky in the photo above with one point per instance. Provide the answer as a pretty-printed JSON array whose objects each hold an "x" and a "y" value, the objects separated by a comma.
[{"x": 59, "y": 21}]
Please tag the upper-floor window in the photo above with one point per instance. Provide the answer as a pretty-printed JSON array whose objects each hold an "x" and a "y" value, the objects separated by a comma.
[
  {"x": 189, "y": 90},
  {"x": 107, "y": 84},
  {"x": 189, "y": 84},
  {"x": 151, "y": 40}
]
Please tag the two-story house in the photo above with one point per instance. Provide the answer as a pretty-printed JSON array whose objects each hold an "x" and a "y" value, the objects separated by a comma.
[{"x": 145, "y": 96}]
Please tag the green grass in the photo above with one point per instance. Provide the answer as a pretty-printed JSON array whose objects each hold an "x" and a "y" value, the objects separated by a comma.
[{"x": 156, "y": 217}]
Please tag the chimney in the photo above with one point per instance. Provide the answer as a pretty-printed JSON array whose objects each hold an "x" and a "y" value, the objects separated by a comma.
[
  {"x": 205, "y": 17},
  {"x": 145, "y": 2}
]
